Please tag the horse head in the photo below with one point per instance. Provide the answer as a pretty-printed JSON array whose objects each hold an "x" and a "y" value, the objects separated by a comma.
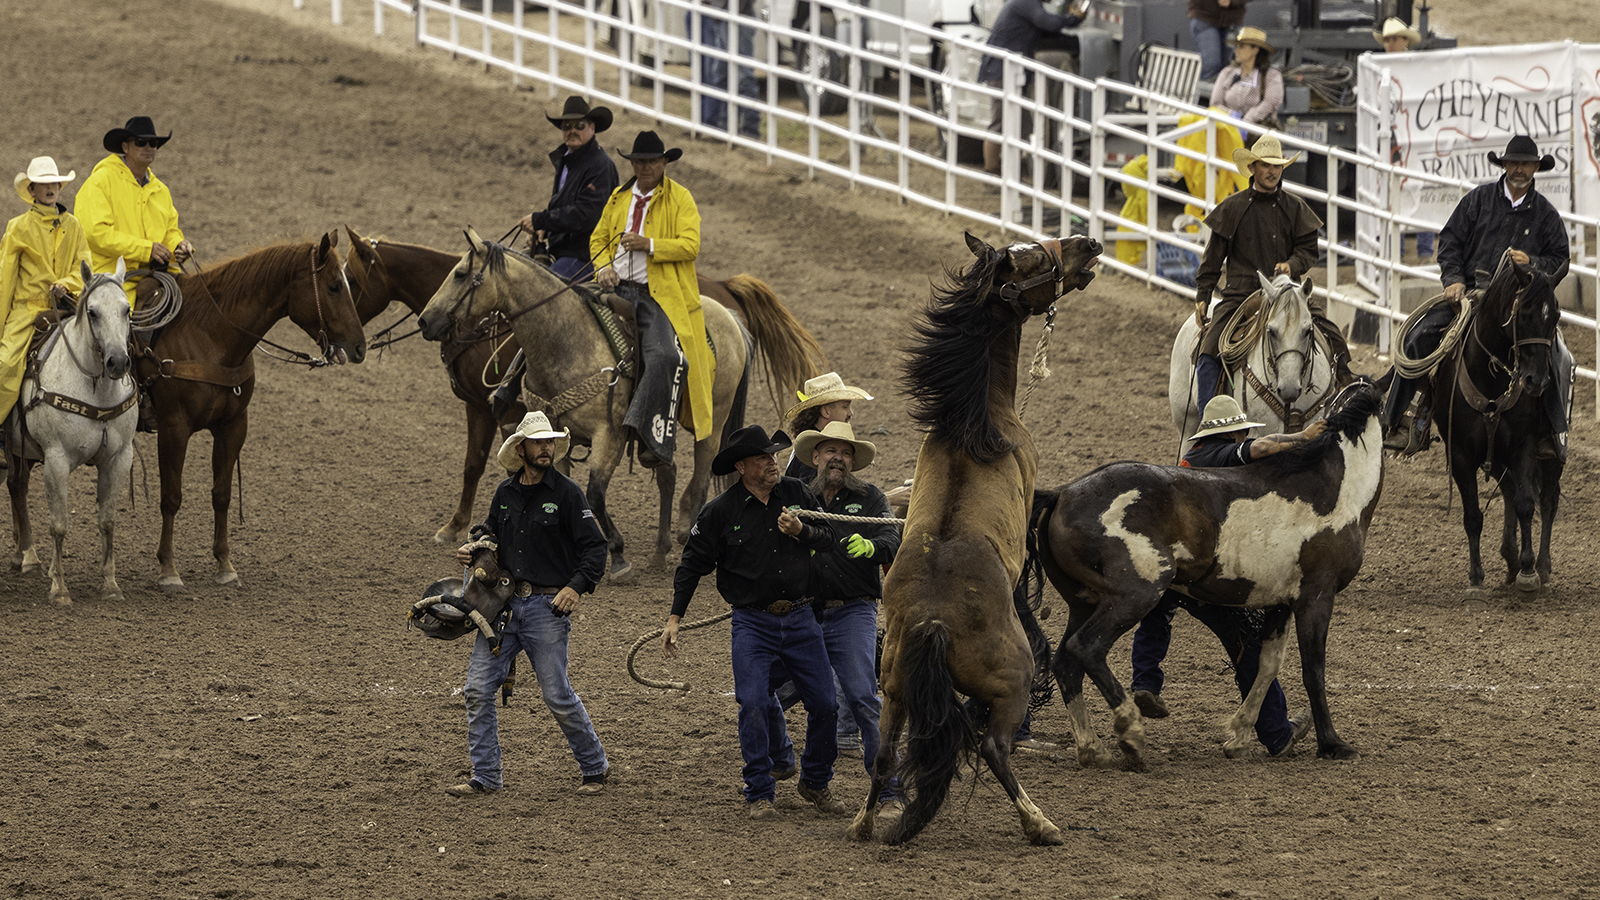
[
  {"x": 369, "y": 280},
  {"x": 457, "y": 299},
  {"x": 1521, "y": 303},
  {"x": 1288, "y": 339},
  {"x": 103, "y": 309},
  {"x": 323, "y": 307},
  {"x": 1032, "y": 276}
]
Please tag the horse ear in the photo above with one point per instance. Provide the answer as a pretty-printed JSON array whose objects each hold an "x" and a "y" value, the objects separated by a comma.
[
  {"x": 122, "y": 270},
  {"x": 323, "y": 247},
  {"x": 88, "y": 273},
  {"x": 1305, "y": 286},
  {"x": 473, "y": 241},
  {"x": 1266, "y": 283},
  {"x": 978, "y": 247},
  {"x": 334, "y": 236},
  {"x": 360, "y": 248}
]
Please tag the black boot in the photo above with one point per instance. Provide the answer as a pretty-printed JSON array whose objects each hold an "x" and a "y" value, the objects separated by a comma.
[
  {"x": 147, "y": 413},
  {"x": 506, "y": 395},
  {"x": 1341, "y": 370}
]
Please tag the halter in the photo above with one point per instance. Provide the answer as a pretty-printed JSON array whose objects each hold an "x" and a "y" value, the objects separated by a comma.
[
  {"x": 1010, "y": 292},
  {"x": 478, "y": 333},
  {"x": 295, "y": 356}
]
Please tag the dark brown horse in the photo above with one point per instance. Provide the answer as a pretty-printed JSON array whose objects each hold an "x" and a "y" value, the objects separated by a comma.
[
  {"x": 200, "y": 369},
  {"x": 383, "y": 271},
  {"x": 1495, "y": 418},
  {"x": 1283, "y": 534},
  {"x": 948, "y": 599}
]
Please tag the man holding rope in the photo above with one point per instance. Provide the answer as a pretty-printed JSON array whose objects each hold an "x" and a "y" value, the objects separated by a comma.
[
  {"x": 585, "y": 178},
  {"x": 1508, "y": 213},
  {"x": 761, "y": 552},
  {"x": 126, "y": 211}
]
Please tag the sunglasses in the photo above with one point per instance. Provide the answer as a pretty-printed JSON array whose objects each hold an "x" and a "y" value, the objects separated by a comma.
[
  {"x": 146, "y": 142},
  {"x": 576, "y": 126}
]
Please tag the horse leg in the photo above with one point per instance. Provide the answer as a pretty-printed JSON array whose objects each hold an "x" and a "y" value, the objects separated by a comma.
[
  {"x": 694, "y": 493},
  {"x": 1471, "y": 520},
  {"x": 1068, "y": 671},
  {"x": 113, "y": 477},
  {"x": 172, "y": 450},
  {"x": 26, "y": 559},
  {"x": 480, "y": 437},
  {"x": 1239, "y": 728},
  {"x": 604, "y": 456},
  {"x": 666, "y": 487},
  {"x": 56, "y": 470},
  {"x": 1311, "y": 617},
  {"x": 1088, "y": 648},
  {"x": 227, "y": 440},
  {"x": 891, "y": 723},
  {"x": 1519, "y": 523},
  {"x": 1549, "y": 500},
  {"x": 1005, "y": 717}
]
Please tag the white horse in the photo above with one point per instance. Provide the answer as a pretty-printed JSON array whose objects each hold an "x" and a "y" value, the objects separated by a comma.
[
  {"x": 1286, "y": 372},
  {"x": 82, "y": 408}
]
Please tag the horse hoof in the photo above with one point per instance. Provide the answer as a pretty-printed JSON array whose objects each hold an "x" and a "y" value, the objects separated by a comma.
[
  {"x": 1048, "y": 836},
  {"x": 228, "y": 577},
  {"x": 111, "y": 596},
  {"x": 1527, "y": 582},
  {"x": 623, "y": 575},
  {"x": 61, "y": 599},
  {"x": 1338, "y": 751},
  {"x": 1475, "y": 593},
  {"x": 1232, "y": 751},
  {"x": 28, "y": 568},
  {"x": 447, "y": 536},
  {"x": 170, "y": 583}
]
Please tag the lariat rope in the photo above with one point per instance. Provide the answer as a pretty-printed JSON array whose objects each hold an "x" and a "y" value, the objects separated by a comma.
[
  {"x": 1418, "y": 368},
  {"x": 647, "y": 638},
  {"x": 1040, "y": 368}
]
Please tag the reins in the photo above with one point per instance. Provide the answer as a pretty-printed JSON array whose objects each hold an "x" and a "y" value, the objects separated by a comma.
[{"x": 294, "y": 356}]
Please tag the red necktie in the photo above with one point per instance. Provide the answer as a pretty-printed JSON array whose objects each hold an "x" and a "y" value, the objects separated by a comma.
[{"x": 638, "y": 211}]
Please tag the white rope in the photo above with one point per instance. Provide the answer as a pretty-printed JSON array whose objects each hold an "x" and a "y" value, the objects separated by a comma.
[
  {"x": 1039, "y": 369},
  {"x": 841, "y": 517}
]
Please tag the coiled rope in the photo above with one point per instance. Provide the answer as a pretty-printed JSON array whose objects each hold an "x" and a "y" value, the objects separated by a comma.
[
  {"x": 167, "y": 303},
  {"x": 1039, "y": 369},
  {"x": 1417, "y": 368},
  {"x": 647, "y": 638}
]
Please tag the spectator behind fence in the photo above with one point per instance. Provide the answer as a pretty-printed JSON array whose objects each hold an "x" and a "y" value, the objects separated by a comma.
[
  {"x": 1018, "y": 28},
  {"x": 1250, "y": 89},
  {"x": 1398, "y": 37},
  {"x": 1209, "y": 23}
]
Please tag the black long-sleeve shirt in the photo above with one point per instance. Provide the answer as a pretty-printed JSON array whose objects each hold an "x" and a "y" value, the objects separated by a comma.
[
  {"x": 1252, "y": 231},
  {"x": 547, "y": 533},
  {"x": 756, "y": 564},
  {"x": 1018, "y": 28},
  {"x": 575, "y": 207},
  {"x": 837, "y": 575},
  {"x": 1484, "y": 224}
]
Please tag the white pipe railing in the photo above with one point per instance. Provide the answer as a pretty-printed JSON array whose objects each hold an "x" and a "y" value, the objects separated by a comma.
[{"x": 1037, "y": 170}]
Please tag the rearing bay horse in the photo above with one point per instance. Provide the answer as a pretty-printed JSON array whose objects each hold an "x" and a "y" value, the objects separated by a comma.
[
  {"x": 384, "y": 271},
  {"x": 951, "y": 625},
  {"x": 569, "y": 356},
  {"x": 200, "y": 368}
]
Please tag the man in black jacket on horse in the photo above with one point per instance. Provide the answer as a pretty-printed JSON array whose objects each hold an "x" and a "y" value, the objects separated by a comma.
[
  {"x": 1508, "y": 213},
  {"x": 585, "y": 177}
]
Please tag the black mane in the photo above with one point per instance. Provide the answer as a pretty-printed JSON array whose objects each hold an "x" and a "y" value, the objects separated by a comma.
[
  {"x": 947, "y": 370},
  {"x": 1349, "y": 421}
]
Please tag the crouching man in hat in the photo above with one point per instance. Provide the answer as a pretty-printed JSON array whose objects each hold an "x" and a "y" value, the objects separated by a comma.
[
  {"x": 644, "y": 249},
  {"x": 126, "y": 210},
  {"x": 585, "y": 178},
  {"x": 549, "y": 542},
  {"x": 1263, "y": 229},
  {"x": 761, "y": 552},
  {"x": 1508, "y": 213},
  {"x": 1223, "y": 440}
]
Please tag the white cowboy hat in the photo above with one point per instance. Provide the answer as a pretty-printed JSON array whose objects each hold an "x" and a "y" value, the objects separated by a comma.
[
  {"x": 806, "y": 444},
  {"x": 1267, "y": 150},
  {"x": 535, "y": 426},
  {"x": 42, "y": 170},
  {"x": 1394, "y": 27},
  {"x": 1222, "y": 416},
  {"x": 822, "y": 390}
]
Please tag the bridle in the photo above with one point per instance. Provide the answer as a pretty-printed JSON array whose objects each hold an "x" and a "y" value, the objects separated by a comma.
[
  {"x": 294, "y": 356},
  {"x": 1010, "y": 292},
  {"x": 456, "y": 312},
  {"x": 96, "y": 346}
]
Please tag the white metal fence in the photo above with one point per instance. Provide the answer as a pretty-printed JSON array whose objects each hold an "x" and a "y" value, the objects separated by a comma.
[{"x": 908, "y": 119}]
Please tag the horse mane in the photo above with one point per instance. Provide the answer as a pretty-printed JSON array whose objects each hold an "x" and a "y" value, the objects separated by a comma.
[
  {"x": 1349, "y": 423},
  {"x": 947, "y": 371},
  {"x": 495, "y": 257},
  {"x": 244, "y": 274}
]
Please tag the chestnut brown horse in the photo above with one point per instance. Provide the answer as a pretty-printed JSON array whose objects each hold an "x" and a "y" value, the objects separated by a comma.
[
  {"x": 382, "y": 271},
  {"x": 1283, "y": 534},
  {"x": 948, "y": 599},
  {"x": 200, "y": 367}
]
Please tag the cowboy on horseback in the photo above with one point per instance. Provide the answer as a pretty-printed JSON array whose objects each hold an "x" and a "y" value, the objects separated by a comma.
[
  {"x": 39, "y": 264},
  {"x": 585, "y": 178},
  {"x": 126, "y": 210},
  {"x": 645, "y": 247},
  {"x": 1506, "y": 214},
  {"x": 1264, "y": 229}
]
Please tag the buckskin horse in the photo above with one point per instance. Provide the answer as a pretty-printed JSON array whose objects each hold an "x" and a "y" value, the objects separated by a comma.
[
  {"x": 948, "y": 598},
  {"x": 200, "y": 367},
  {"x": 571, "y": 360},
  {"x": 80, "y": 407},
  {"x": 1282, "y": 371},
  {"x": 382, "y": 271},
  {"x": 1283, "y": 534},
  {"x": 1495, "y": 419}
]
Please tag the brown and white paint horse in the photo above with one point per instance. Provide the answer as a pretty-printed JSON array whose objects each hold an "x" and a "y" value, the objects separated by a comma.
[{"x": 1283, "y": 534}]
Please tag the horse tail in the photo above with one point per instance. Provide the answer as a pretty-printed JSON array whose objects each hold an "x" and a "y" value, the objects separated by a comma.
[
  {"x": 1029, "y": 596},
  {"x": 789, "y": 352},
  {"x": 940, "y": 736}
]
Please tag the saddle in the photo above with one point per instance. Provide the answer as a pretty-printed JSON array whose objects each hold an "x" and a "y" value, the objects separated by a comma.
[{"x": 454, "y": 607}]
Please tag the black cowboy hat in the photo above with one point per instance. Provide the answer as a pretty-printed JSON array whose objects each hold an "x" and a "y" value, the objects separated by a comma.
[
  {"x": 1523, "y": 149},
  {"x": 578, "y": 108},
  {"x": 749, "y": 441},
  {"x": 137, "y": 127},
  {"x": 648, "y": 146}
]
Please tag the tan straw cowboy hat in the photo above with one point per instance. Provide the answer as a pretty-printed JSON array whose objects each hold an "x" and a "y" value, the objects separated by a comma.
[
  {"x": 534, "y": 426},
  {"x": 1223, "y": 416},
  {"x": 806, "y": 444},
  {"x": 1267, "y": 150},
  {"x": 822, "y": 390},
  {"x": 42, "y": 170},
  {"x": 1256, "y": 38},
  {"x": 1395, "y": 27}
]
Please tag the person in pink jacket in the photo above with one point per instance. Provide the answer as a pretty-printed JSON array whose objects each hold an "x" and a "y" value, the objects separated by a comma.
[{"x": 126, "y": 211}]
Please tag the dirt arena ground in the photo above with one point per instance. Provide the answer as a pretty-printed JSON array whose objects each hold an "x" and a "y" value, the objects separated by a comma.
[{"x": 288, "y": 737}]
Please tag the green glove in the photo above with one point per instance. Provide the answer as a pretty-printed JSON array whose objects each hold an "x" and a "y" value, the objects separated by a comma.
[{"x": 856, "y": 546}]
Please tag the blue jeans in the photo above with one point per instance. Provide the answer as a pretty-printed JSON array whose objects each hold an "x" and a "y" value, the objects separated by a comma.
[
  {"x": 1240, "y": 634},
  {"x": 714, "y": 73},
  {"x": 534, "y": 628},
  {"x": 1209, "y": 42},
  {"x": 761, "y": 639},
  {"x": 572, "y": 268},
  {"x": 850, "y": 632}
]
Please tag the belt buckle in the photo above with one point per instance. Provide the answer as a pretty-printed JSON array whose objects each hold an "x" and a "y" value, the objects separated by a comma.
[
  {"x": 780, "y": 607},
  {"x": 524, "y": 589}
]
